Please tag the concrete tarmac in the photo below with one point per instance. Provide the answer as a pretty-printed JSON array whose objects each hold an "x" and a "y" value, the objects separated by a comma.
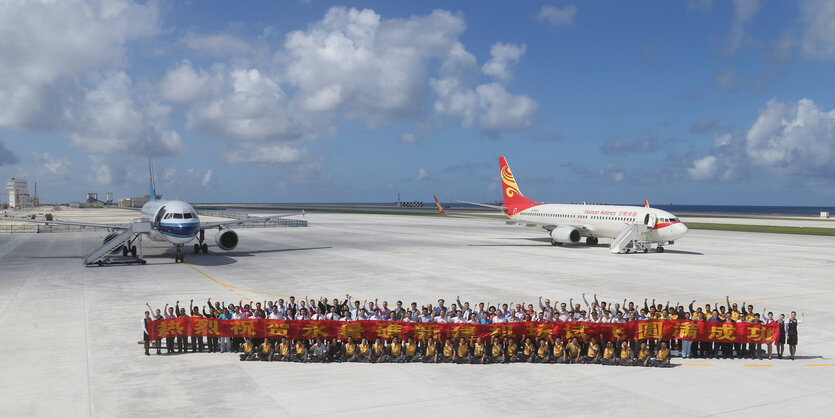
[{"x": 70, "y": 332}]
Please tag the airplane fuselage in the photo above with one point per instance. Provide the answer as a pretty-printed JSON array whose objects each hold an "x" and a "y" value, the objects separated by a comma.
[
  {"x": 604, "y": 221},
  {"x": 173, "y": 221}
]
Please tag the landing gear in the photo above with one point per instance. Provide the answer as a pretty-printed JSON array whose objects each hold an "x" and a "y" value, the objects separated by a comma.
[
  {"x": 201, "y": 246},
  {"x": 556, "y": 243},
  {"x": 660, "y": 249},
  {"x": 197, "y": 248},
  {"x": 133, "y": 251},
  {"x": 124, "y": 251},
  {"x": 179, "y": 257},
  {"x": 205, "y": 248},
  {"x": 591, "y": 241}
]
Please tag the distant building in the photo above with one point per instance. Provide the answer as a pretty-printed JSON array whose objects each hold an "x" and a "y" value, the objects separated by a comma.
[
  {"x": 136, "y": 202},
  {"x": 109, "y": 198},
  {"x": 18, "y": 193},
  {"x": 92, "y": 197}
]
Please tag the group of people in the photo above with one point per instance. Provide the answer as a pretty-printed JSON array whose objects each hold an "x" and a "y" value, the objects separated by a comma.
[
  {"x": 450, "y": 350},
  {"x": 485, "y": 313}
]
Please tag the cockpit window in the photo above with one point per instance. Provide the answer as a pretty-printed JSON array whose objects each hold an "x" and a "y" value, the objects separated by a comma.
[
  {"x": 187, "y": 215},
  {"x": 167, "y": 216},
  {"x": 178, "y": 216}
]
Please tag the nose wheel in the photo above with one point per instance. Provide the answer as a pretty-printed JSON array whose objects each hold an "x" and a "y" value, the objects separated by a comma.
[
  {"x": 179, "y": 257},
  {"x": 660, "y": 249}
]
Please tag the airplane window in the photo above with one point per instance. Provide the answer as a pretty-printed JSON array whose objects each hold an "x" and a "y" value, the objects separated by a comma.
[
  {"x": 178, "y": 216},
  {"x": 187, "y": 215}
]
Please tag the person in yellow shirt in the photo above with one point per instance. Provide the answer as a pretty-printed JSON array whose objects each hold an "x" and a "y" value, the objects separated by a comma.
[
  {"x": 350, "y": 350},
  {"x": 299, "y": 352},
  {"x": 608, "y": 354},
  {"x": 410, "y": 350},
  {"x": 496, "y": 348},
  {"x": 662, "y": 359},
  {"x": 643, "y": 354},
  {"x": 363, "y": 351},
  {"x": 625, "y": 358},
  {"x": 528, "y": 350},
  {"x": 281, "y": 350},
  {"x": 266, "y": 351},
  {"x": 557, "y": 352},
  {"x": 447, "y": 353},
  {"x": 462, "y": 352},
  {"x": 378, "y": 351},
  {"x": 430, "y": 351},
  {"x": 542, "y": 354},
  {"x": 479, "y": 353},
  {"x": 512, "y": 352},
  {"x": 593, "y": 352},
  {"x": 573, "y": 351},
  {"x": 394, "y": 351},
  {"x": 248, "y": 350}
]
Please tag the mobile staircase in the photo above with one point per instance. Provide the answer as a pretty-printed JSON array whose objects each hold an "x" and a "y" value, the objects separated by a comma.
[
  {"x": 103, "y": 255},
  {"x": 631, "y": 238}
]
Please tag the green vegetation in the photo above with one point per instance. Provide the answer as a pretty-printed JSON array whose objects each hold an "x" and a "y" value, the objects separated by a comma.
[{"x": 797, "y": 230}]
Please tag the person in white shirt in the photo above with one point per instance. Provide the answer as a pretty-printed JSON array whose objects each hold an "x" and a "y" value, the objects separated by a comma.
[
  {"x": 302, "y": 315},
  {"x": 346, "y": 318},
  {"x": 459, "y": 319},
  {"x": 277, "y": 314},
  {"x": 332, "y": 315},
  {"x": 317, "y": 315}
]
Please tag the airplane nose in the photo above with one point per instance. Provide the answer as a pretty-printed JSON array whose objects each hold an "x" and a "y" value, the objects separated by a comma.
[{"x": 681, "y": 230}]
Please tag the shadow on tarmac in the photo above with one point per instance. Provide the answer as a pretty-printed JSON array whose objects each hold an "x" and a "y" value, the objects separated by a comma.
[{"x": 225, "y": 258}]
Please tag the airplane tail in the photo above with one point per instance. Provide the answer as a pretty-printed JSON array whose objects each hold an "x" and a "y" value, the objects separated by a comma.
[
  {"x": 151, "y": 179},
  {"x": 440, "y": 208},
  {"x": 514, "y": 201}
]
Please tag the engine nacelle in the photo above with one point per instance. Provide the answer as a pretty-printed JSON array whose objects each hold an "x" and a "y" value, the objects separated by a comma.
[
  {"x": 565, "y": 235},
  {"x": 107, "y": 238},
  {"x": 226, "y": 239}
]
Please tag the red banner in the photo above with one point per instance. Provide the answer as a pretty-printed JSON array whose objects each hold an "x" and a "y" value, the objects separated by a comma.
[{"x": 656, "y": 329}]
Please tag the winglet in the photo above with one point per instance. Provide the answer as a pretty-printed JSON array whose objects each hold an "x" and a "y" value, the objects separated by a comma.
[
  {"x": 440, "y": 209},
  {"x": 153, "y": 195},
  {"x": 646, "y": 203}
]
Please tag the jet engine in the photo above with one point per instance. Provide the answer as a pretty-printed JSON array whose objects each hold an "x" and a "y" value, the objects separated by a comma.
[
  {"x": 226, "y": 239},
  {"x": 565, "y": 235}
]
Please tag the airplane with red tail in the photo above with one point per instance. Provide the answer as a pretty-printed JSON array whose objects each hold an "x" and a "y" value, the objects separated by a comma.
[{"x": 631, "y": 228}]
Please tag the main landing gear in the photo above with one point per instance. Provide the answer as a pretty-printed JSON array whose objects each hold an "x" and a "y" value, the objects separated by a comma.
[
  {"x": 659, "y": 249},
  {"x": 201, "y": 246},
  {"x": 591, "y": 241}
]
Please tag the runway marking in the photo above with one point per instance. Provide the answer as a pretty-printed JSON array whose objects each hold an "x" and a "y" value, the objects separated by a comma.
[
  {"x": 228, "y": 286},
  {"x": 820, "y": 365}
]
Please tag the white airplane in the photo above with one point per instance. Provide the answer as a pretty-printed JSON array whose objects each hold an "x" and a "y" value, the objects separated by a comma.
[
  {"x": 171, "y": 221},
  {"x": 640, "y": 226}
]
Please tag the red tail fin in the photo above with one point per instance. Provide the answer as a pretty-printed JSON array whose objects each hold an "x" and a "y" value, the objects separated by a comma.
[
  {"x": 514, "y": 201},
  {"x": 440, "y": 208}
]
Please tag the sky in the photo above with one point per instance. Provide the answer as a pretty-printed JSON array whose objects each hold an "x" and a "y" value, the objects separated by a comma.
[{"x": 684, "y": 102}]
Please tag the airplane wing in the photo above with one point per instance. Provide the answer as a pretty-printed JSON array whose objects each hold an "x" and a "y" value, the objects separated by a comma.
[
  {"x": 45, "y": 222},
  {"x": 501, "y": 208},
  {"x": 211, "y": 225}
]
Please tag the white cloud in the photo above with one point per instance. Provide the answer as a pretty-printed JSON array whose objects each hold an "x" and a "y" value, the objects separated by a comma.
[
  {"x": 504, "y": 111},
  {"x": 50, "y": 166},
  {"x": 787, "y": 139},
  {"x": 409, "y": 138},
  {"x": 793, "y": 138},
  {"x": 819, "y": 31},
  {"x": 268, "y": 154},
  {"x": 184, "y": 83},
  {"x": 502, "y": 56},
  {"x": 703, "y": 168},
  {"x": 49, "y": 48},
  {"x": 422, "y": 174},
  {"x": 207, "y": 178},
  {"x": 107, "y": 120},
  {"x": 744, "y": 11},
  {"x": 558, "y": 16},
  {"x": 218, "y": 45}
]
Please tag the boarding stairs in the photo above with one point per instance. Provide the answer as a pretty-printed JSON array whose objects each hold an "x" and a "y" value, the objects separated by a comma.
[
  {"x": 102, "y": 255},
  {"x": 631, "y": 238}
]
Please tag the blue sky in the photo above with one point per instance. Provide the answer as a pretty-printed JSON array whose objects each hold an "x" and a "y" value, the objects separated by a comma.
[{"x": 691, "y": 102}]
